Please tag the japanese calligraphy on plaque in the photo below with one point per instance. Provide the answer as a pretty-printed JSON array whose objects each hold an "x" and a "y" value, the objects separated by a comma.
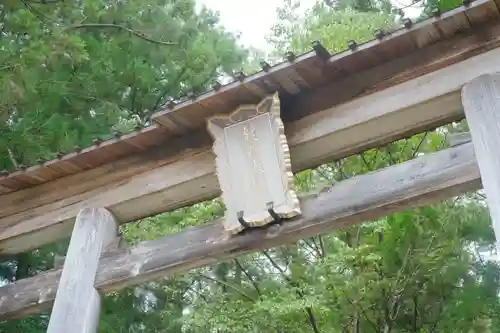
[{"x": 253, "y": 165}]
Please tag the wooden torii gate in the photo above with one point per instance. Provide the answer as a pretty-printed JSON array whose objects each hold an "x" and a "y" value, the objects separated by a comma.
[{"x": 421, "y": 76}]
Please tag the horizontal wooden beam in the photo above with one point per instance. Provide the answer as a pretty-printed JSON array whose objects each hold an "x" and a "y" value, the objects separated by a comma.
[
  {"x": 417, "y": 97},
  {"x": 423, "y": 180},
  {"x": 403, "y": 104}
]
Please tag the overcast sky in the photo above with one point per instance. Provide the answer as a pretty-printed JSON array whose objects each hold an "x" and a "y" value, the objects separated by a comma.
[{"x": 254, "y": 18}]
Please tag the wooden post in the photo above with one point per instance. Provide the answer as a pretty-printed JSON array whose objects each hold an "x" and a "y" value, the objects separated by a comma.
[
  {"x": 77, "y": 305},
  {"x": 481, "y": 101}
]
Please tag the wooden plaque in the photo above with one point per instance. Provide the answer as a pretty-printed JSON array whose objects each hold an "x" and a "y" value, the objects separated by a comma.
[{"x": 253, "y": 164}]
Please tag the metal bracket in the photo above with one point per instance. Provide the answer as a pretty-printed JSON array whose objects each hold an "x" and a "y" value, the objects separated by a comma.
[
  {"x": 242, "y": 221},
  {"x": 270, "y": 210}
]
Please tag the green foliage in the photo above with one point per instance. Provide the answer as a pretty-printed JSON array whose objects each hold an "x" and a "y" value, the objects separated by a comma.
[
  {"x": 442, "y": 5},
  {"x": 424, "y": 270},
  {"x": 70, "y": 73},
  {"x": 168, "y": 223},
  {"x": 333, "y": 26}
]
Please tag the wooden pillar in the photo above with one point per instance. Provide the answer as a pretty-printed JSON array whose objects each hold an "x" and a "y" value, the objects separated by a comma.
[
  {"x": 77, "y": 305},
  {"x": 481, "y": 101}
]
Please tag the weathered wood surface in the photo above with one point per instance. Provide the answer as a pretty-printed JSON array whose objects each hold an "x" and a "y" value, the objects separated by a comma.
[
  {"x": 294, "y": 76},
  {"x": 96, "y": 155},
  {"x": 423, "y": 180},
  {"x": 253, "y": 165},
  {"x": 311, "y": 71},
  {"x": 432, "y": 98},
  {"x": 408, "y": 66},
  {"x": 386, "y": 112},
  {"x": 77, "y": 305},
  {"x": 455, "y": 139},
  {"x": 170, "y": 185},
  {"x": 481, "y": 100},
  {"x": 118, "y": 171}
]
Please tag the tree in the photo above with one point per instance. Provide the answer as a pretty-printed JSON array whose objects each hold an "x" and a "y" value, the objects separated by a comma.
[
  {"x": 73, "y": 72},
  {"x": 414, "y": 271},
  {"x": 333, "y": 26},
  {"x": 417, "y": 271},
  {"x": 422, "y": 270},
  {"x": 443, "y": 5}
]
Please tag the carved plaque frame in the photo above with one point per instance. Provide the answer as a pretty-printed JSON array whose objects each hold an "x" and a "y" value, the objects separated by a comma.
[{"x": 253, "y": 165}]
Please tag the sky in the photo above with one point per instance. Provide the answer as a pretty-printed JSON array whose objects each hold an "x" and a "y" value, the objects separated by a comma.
[{"x": 254, "y": 18}]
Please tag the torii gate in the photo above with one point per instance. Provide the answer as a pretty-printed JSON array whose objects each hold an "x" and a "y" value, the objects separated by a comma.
[{"x": 424, "y": 75}]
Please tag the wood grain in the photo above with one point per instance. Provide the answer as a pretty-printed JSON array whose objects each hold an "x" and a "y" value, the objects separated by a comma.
[
  {"x": 387, "y": 114},
  {"x": 433, "y": 98},
  {"x": 46, "y": 212},
  {"x": 456, "y": 139},
  {"x": 405, "y": 68},
  {"x": 94, "y": 156},
  {"x": 253, "y": 164},
  {"x": 478, "y": 12},
  {"x": 284, "y": 76},
  {"x": 77, "y": 304},
  {"x": 293, "y": 77},
  {"x": 481, "y": 99},
  {"x": 117, "y": 171},
  {"x": 423, "y": 180},
  {"x": 191, "y": 167}
]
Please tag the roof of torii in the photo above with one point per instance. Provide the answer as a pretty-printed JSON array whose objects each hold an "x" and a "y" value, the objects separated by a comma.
[{"x": 299, "y": 80}]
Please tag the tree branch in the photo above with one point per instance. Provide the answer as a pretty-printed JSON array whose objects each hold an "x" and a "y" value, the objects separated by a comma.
[
  {"x": 312, "y": 319},
  {"x": 312, "y": 247},
  {"x": 228, "y": 285},
  {"x": 133, "y": 95},
  {"x": 318, "y": 248},
  {"x": 136, "y": 33},
  {"x": 440, "y": 312},
  {"x": 322, "y": 174},
  {"x": 391, "y": 158},
  {"x": 248, "y": 276},
  {"x": 419, "y": 145},
  {"x": 356, "y": 323},
  {"x": 396, "y": 297},
  {"x": 197, "y": 293},
  {"x": 275, "y": 265},
  {"x": 9, "y": 67},
  {"x": 12, "y": 158},
  {"x": 360, "y": 309},
  {"x": 41, "y": 16},
  {"x": 310, "y": 314},
  {"x": 120, "y": 27},
  {"x": 415, "y": 314},
  {"x": 167, "y": 89},
  {"x": 322, "y": 246},
  {"x": 190, "y": 287},
  {"x": 44, "y": 2},
  {"x": 368, "y": 165}
]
